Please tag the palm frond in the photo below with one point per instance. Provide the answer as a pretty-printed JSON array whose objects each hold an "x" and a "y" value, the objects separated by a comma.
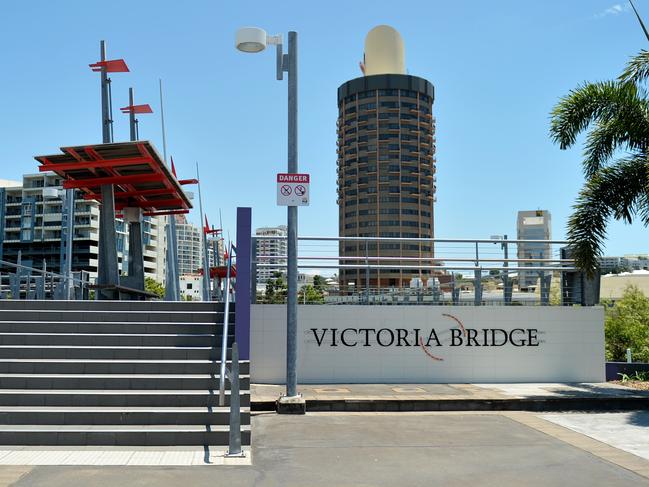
[
  {"x": 637, "y": 69},
  {"x": 591, "y": 102},
  {"x": 629, "y": 130},
  {"x": 643, "y": 208},
  {"x": 618, "y": 191}
]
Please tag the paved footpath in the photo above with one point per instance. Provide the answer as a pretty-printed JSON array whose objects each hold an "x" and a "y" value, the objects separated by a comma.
[
  {"x": 460, "y": 397},
  {"x": 385, "y": 449}
]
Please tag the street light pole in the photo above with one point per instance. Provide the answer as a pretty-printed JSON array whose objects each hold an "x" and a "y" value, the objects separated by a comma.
[
  {"x": 291, "y": 302},
  {"x": 252, "y": 40}
]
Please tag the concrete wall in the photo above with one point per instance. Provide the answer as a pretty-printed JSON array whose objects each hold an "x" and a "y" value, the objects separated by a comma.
[
  {"x": 613, "y": 286},
  {"x": 543, "y": 344}
]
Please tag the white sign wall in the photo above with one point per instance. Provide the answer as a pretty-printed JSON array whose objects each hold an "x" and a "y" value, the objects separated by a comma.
[{"x": 431, "y": 344}]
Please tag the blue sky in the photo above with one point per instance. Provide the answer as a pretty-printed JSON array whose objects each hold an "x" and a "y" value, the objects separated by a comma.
[{"x": 498, "y": 68}]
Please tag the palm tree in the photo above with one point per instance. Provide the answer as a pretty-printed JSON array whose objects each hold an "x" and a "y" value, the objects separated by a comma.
[{"x": 615, "y": 115}]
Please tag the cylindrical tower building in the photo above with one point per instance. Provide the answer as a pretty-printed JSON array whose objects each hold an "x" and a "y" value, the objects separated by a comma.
[{"x": 386, "y": 165}]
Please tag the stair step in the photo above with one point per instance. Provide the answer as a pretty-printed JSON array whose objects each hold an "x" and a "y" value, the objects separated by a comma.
[
  {"x": 188, "y": 307},
  {"x": 115, "y": 381},
  {"x": 99, "y": 366},
  {"x": 111, "y": 352},
  {"x": 124, "y": 316},
  {"x": 116, "y": 373},
  {"x": 117, "y": 398},
  {"x": 110, "y": 327},
  {"x": 70, "y": 415},
  {"x": 122, "y": 435},
  {"x": 107, "y": 339}
]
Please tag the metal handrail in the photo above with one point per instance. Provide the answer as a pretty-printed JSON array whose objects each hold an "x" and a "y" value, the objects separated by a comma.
[
  {"x": 416, "y": 239},
  {"x": 226, "y": 322},
  {"x": 416, "y": 259},
  {"x": 234, "y": 441},
  {"x": 40, "y": 271},
  {"x": 427, "y": 267}
]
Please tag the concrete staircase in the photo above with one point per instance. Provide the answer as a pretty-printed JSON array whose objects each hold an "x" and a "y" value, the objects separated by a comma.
[{"x": 115, "y": 373}]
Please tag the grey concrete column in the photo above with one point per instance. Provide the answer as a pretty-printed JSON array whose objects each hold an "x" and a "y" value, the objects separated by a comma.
[
  {"x": 133, "y": 216},
  {"x": 108, "y": 273}
]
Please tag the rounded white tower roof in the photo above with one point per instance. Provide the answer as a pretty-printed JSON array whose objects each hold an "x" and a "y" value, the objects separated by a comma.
[{"x": 384, "y": 51}]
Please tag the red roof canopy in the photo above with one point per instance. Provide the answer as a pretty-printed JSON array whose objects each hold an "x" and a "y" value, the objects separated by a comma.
[
  {"x": 140, "y": 177},
  {"x": 221, "y": 272}
]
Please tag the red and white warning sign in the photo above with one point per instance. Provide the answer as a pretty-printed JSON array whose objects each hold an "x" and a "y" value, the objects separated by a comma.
[{"x": 292, "y": 189}]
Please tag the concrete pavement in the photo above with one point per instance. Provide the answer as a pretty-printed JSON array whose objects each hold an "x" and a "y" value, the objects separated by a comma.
[
  {"x": 626, "y": 431},
  {"x": 384, "y": 449},
  {"x": 457, "y": 397}
]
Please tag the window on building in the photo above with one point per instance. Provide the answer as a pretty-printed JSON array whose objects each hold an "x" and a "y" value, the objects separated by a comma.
[
  {"x": 388, "y": 92},
  {"x": 367, "y": 94},
  {"x": 367, "y": 106}
]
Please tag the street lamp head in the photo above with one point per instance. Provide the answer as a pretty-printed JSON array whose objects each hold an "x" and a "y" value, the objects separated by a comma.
[{"x": 251, "y": 39}]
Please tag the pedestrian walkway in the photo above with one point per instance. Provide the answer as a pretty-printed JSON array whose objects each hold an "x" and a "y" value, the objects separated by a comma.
[
  {"x": 120, "y": 456},
  {"x": 418, "y": 449},
  {"x": 457, "y": 397}
]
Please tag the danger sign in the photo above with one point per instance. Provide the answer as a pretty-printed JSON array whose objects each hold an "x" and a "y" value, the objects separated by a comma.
[{"x": 292, "y": 189}]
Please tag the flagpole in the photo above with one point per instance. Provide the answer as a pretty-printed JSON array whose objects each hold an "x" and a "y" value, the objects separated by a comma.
[
  {"x": 172, "y": 284},
  {"x": 206, "y": 261}
]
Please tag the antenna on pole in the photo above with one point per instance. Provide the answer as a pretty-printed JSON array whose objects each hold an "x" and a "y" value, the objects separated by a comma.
[
  {"x": 162, "y": 119},
  {"x": 644, "y": 29}
]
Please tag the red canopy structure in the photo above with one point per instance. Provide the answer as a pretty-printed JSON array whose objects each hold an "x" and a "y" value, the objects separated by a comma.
[
  {"x": 135, "y": 169},
  {"x": 220, "y": 272}
]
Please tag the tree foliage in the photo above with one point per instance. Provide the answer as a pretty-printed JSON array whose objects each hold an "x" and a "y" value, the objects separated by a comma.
[
  {"x": 310, "y": 295},
  {"x": 627, "y": 326},
  {"x": 615, "y": 115},
  {"x": 276, "y": 289},
  {"x": 319, "y": 282},
  {"x": 153, "y": 286}
]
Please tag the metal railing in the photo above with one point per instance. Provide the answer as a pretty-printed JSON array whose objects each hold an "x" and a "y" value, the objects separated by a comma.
[
  {"x": 402, "y": 270},
  {"x": 226, "y": 322},
  {"x": 45, "y": 284},
  {"x": 232, "y": 374}
]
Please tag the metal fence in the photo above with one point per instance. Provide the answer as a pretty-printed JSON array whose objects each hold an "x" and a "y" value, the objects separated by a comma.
[
  {"x": 26, "y": 282},
  {"x": 494, "y": 271}
]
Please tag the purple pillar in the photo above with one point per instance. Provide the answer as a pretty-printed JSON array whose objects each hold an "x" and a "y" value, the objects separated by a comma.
[{"x": 244, "y": 240}]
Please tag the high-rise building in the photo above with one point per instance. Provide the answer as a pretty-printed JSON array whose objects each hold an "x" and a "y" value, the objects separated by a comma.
[
  {"x": 274, "y": 249},
  {"x": 190, "y": 247},
  {"x": 386, "y": 163},
  {"x": 533, "y": 225},
  {"x": 30, "y": 223}
]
